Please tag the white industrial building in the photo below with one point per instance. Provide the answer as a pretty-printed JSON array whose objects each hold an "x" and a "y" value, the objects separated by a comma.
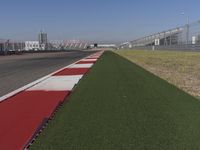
[
  {"x": 41, "y": 44},
  {"x": 32, "y": 45}
]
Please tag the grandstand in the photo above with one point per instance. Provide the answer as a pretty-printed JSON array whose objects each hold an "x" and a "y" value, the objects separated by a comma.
[
  {"x": 69, "y": 44},
  {"x": 9, "y": 46},
  {"x": 183, "y": 37}
]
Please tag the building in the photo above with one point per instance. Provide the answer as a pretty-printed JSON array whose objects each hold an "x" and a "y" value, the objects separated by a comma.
[
  {"x": 43, "y": 41},
  {"x": 42, "y": 38},
  {"x": 41, "y": 44},
  {"x": 32, "y": 45}
]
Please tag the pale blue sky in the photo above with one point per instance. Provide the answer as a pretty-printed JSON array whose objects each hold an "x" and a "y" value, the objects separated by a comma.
[{"x": 100, "y": 20}]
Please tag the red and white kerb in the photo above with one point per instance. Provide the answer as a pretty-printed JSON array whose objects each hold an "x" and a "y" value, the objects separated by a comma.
[{"x": 23, "y": 112}]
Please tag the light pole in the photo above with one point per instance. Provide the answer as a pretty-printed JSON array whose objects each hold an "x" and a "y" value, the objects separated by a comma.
[{"x": 187, "y": 28}]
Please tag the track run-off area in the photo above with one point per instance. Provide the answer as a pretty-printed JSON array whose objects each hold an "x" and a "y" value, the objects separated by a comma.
[{"x": 119, "y": 105}]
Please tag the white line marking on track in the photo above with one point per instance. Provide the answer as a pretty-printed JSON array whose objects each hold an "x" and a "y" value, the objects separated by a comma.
[{"x": 81, "y": 66}]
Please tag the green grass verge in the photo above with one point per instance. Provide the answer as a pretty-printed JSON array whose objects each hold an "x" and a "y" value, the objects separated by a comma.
[{"x": 119, "y": 106}]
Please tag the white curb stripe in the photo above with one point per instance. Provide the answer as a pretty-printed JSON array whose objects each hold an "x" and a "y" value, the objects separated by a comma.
[
  {"x": 57, "y": 83},
  {"x": 81, "y": 66},
  {"x": 89, "y": 59}
]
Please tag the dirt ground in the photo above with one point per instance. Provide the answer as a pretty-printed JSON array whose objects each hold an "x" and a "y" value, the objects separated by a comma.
[{"x": 179, "y": 68}]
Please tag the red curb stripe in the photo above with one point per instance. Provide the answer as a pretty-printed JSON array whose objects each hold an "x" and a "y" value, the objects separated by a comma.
[
  {"x": 92, "y": 57},
  {"x": 85, "y": 62},
  {"x": 72, "y": 71},
  {"x": 22, "y": 114}
]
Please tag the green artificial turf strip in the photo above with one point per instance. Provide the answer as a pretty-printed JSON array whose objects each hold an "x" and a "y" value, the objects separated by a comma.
[{"x": 121, "y": 106}]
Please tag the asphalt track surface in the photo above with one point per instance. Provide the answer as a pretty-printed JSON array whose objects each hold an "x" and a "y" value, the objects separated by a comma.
[{"x": 17, "y": 71}]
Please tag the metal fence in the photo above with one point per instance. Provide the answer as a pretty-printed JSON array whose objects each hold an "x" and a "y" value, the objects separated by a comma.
[{"x": 187, "y": 36}]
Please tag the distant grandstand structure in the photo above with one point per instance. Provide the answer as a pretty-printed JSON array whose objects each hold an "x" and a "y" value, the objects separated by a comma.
[
  {"x": 184, "y": 37},
  {"x": 69, "y": 44},
  {"x": 9, "y": 46}
]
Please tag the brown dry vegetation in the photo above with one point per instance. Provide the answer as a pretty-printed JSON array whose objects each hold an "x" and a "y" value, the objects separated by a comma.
[{"x": 179, "y": 68}]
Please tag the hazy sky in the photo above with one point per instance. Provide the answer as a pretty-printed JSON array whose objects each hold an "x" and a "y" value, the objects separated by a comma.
[{"x": 95, "y": 20}]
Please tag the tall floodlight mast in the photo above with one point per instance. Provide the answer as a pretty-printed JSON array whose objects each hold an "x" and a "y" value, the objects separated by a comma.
[{"x": 187, "y": 27}]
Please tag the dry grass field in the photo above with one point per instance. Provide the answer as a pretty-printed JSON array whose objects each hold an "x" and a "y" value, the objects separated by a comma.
[{"x": 179, "y": 68}]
